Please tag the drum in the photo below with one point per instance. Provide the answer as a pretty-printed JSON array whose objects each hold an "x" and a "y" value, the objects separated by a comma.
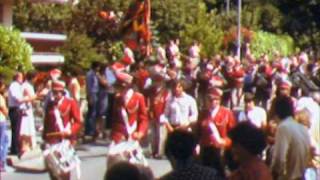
[
  {"x": 130, "y": 151},
  {"x": 61, "y": 158}
]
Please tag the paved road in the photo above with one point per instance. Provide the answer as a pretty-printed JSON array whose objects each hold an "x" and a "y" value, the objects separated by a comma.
[{"x": 93, "y": 165}]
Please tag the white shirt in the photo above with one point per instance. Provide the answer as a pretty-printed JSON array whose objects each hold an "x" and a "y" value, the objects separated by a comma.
[
  {"x": 15, "y": 94},
  {"x": 314, "y": 109},
  {"x": 2, "y": 104},
  {"x": 256, "y": 116},
  {"x": 181, "y": 110},
  {"x": 291, "y": 150}
]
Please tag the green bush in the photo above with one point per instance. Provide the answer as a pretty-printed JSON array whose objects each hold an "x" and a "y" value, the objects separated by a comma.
[
  {"x": 15, "y": 52},
  {"x": 268, "y": 43}
]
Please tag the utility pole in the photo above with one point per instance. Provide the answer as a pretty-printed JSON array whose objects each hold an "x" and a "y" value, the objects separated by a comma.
[
  {"x": 228, "y": 6},
  {"x": 239, "y": 30}
]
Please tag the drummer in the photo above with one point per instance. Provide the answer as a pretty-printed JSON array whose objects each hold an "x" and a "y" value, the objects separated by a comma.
[
  {"x": 62, "y": 119},
  {"x": 130, "y": 115}
]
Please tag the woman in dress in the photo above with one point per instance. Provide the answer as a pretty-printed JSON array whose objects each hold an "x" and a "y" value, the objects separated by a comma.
[{"x": 27, "y": 128}]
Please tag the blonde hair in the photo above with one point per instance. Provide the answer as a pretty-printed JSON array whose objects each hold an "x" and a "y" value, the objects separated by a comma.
[{"x": 303, "y": 116}]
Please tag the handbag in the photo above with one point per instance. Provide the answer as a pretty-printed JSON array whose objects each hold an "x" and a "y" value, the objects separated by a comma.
[{"x": 61, "y": 158}]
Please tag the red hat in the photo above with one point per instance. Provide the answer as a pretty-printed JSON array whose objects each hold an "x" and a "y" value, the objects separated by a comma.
[
  {"x": 128, "y": 56},
  {"x": 55, "y": 73},
  {"x": 215, "y": 93},
  {"x": 58, "y": 85},
  {"x": 117, "y": 67},
  {"x": 285, "y": 84},
  {"x": 123, "y": 77}
]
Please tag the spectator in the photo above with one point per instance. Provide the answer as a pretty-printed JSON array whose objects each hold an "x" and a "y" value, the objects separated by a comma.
[
  {"x": 92, "y": 90},
  {"x": 248, "y": 142},
  {"x": 3, "y": 127},
  {"x": 28, "y": 129},
  {"x": 181, "y": 109},
  {"x": 126, "y": 171},
  {"x": 252, "y": 113},
  {"x": 292, "y": 143},
  {"x": 179, "y": 148}
]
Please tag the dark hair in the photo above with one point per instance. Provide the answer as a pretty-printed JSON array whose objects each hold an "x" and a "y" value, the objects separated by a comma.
[
  {"x": 30, "y": 75},
  {"x": 248, "y": 97},
  {"x": 284, "y": 107},
  {"x": 125, "y": 170},
  {"x": 180, "y": 144},
  {"x": 248, "y": 136},
  {"x": 95, "y": 64}
]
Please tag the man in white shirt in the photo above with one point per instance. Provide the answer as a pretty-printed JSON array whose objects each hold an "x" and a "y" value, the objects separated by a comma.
[
  {"x": 15, "y": 99},
  {"x": 252, "y": 113},
  {"x": 292, "y": 146},
  {"x": 181, "y": 109}
]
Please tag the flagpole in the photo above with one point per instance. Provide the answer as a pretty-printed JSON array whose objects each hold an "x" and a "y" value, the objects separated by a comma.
[{"x": 239, "y": 30}]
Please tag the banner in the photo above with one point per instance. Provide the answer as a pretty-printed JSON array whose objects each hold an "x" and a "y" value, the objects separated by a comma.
[{"x": 135, "y": 27}]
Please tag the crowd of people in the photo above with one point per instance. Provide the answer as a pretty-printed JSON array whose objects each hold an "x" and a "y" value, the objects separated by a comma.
[{"x": 213, "y": 118}]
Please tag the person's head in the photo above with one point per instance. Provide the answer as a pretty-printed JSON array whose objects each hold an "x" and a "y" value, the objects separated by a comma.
[
  {"x": 18, "y": 77},
  {"x": 30, "y": 76},
  {"x": 55, "y": 74},
  {"x": 180, "y": 146},
  {"x": 178, "y": 87},
  {"x": 284, "y": 107},
  {"x": 247, "y": 140},
  {"x": 249, "y": 101},
  {"x": 285, "y": 88},
  {"x": 2, "y": 85},
  {"x": 123, "y": 171},
  {"x": 214, "y": 98},
  {"x": 124, "y": 81},
  {"x": 58, "y": 89},
  {"x": 95, "y": 66}
]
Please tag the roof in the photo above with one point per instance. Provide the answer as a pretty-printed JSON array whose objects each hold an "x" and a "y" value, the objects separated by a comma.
[
  {"x": 47, "y": 58},
  {"x": 44, "y": 36}
]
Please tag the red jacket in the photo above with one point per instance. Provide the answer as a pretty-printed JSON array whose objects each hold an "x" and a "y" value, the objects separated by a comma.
[
  {"x": 158, "y": 103},
  {"x": 224, "y": 121},
  {"x": 69, "y": 112},
  {"x": 136, "y": 111}
]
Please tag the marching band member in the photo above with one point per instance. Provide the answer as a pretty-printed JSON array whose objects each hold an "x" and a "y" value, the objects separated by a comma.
[
  {"x": 130, "y": 111},
  {"x": 62, "y": 119}
]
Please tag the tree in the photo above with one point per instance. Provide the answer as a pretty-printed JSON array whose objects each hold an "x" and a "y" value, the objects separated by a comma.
[
  {"x": 79, "y": 52},
  {"x": 268, "y": 43},
  {"x": 15, "y": 52},
  {"x": 204, "y": 30}
]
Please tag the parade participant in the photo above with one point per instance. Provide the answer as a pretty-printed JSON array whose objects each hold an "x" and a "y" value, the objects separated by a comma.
[
  {"x": 248, "y": 142},
  {"x": 252, "y": 113},
  {"x": 28, "y": 129},
  {"x": 237, "y": 77},
  {"x": 62, "y": 120},
  {"x": 292, "y": 143},
  {"x": 92, "y": 90},
  {"x": 4, "y": 140},
  {"x": 181, "y": 109},
  {"x": 158, "y": 97},
  {"x": 174, "y": 53},
  {"x": 215, "y": 122},
  {"x": 130, "y": 112},
  {"x": 194, "y": 54}
]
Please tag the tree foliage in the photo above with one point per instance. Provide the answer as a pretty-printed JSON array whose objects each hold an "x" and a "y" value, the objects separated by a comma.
[
  {"x": 79, "y": 52},
  {"x": 15, "y": 52},
  {"x": 268, "y": 43}
]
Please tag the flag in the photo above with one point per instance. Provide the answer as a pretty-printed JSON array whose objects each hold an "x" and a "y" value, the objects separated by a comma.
[{"x": 135, "y": 27}]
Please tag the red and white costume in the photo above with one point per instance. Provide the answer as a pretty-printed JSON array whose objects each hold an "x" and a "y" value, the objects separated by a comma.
[
  {"x": 130, "y": 116},
  {"x": 60, "y": 117},
  {"x": 223, "y": 119}
]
